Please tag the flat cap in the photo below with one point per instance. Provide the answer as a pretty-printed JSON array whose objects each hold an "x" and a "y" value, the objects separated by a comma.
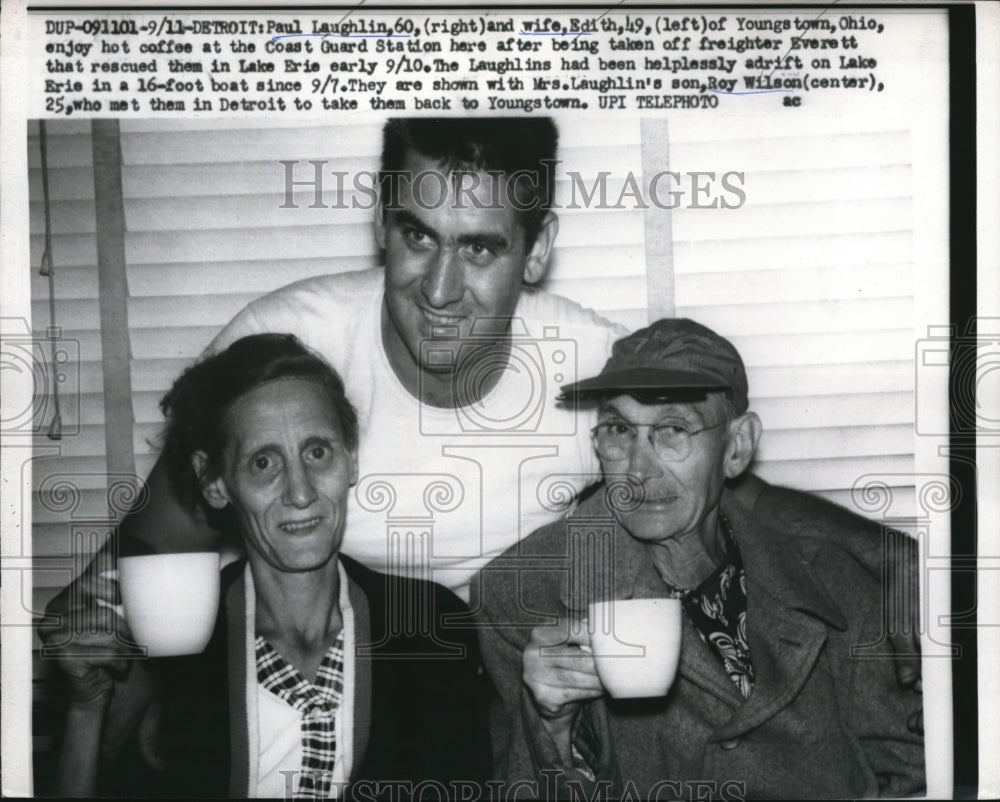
[{"x": 672, "y": 354}]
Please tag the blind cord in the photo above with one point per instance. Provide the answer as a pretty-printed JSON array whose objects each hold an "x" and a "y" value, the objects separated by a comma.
[{"x": 47, "y": 269}]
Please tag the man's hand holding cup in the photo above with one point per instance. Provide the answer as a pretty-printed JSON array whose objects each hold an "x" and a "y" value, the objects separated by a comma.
[
  {"x": 627, "y": 649},
  {"x": 560, "y": 673}
]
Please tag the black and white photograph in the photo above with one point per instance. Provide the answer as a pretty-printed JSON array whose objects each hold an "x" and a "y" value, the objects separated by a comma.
[{"x": 498, "y": 403}]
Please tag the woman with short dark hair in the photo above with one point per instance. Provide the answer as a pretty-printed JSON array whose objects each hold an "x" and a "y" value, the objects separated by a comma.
[{"x": 303, "y": 687}]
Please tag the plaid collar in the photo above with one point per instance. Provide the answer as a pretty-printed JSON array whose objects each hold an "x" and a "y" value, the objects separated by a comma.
[{"x": 318, "y": 703}]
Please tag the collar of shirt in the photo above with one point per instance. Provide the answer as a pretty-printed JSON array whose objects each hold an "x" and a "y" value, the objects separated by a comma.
[{"x": 320, "y": 703}]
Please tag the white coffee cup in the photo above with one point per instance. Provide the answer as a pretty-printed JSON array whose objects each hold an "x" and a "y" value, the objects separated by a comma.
[
  {"x": 636, "y": 645},
  {"x": 170, "y": 600}
]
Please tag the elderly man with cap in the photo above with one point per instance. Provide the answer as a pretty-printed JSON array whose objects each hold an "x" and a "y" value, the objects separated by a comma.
[{"x": 768, "y": 700}]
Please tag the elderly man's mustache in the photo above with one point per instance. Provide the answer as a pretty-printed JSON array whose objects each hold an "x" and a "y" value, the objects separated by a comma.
[{"x": 624, "y": 493}]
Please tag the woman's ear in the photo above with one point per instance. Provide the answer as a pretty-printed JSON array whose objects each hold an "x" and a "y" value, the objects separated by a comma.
[
  {"x": 214, "y": 490},
  {"x": 744, "y": 434}
]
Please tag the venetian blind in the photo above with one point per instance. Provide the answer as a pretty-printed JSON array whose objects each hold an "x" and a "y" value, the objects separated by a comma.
[
  {"x": 69, "y": 476},
  {"x": 813, "y": 281},
  {"x": 69, "y": 494}
]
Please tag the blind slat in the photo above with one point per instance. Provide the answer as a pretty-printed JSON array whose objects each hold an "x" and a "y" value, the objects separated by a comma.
[
  {"x": 796, "y": 152},
  {"x": 804, "y": 218},
  {"x": 833, "y": 348},
  {"x": 790, "y": 251},
  {"x": 830, "y": 184},
  {"x": 269, "y": 243},
  {"x": 830, "y": 474},
  {"x": 836, "y": 410},
  {"x": 65, "y": 184},
  {"x": 790, "y": 381},
  {"x": 848, "y": 282},
  {"x": 839, "y": 319},
  {"x": 67, "y": 249},
  {"x": 816, "y": 443},
  {"x": 903, "y": 498}
]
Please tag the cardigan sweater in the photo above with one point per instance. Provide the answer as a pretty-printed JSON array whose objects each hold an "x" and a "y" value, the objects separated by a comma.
[{"x": 419, "y": 701}]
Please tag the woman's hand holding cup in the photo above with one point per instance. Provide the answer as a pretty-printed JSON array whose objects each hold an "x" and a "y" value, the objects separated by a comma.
[{"x": 91, "y": 639}]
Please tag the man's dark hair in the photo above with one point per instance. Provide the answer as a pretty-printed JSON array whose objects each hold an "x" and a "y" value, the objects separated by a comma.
[
  {"x": 196, "y": 404},
  {"x": 509, "y": 145}
]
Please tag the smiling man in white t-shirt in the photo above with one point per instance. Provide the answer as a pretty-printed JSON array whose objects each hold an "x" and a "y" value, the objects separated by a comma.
[{"x": 452, "y": 358}]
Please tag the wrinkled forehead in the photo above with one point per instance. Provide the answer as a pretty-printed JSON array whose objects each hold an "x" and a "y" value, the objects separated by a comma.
[{"x": 278, "y": 404}]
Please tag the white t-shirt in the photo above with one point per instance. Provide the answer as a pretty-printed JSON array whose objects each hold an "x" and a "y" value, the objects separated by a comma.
[{"x": 443, "y": 491}]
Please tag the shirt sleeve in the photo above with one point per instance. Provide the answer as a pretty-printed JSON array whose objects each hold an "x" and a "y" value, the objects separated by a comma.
[{"x": 308, "y": 309}]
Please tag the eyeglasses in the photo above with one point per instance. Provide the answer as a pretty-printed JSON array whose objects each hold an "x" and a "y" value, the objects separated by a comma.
[{"x": 613, "y": 440}]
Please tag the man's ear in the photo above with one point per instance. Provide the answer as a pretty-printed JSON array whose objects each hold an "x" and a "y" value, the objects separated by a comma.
[
  {"x": 744, "y": 434},
  {"x": 538, "y": 257},
  {"x": 380, "y": 224},
  {"x": 214, "y": 490},
  {"x": 354, "y": 467}
]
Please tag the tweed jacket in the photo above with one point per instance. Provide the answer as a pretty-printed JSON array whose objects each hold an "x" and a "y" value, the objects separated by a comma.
[
  {"x": 818, "y": 723},
  {"x": 419, "y": 711}
]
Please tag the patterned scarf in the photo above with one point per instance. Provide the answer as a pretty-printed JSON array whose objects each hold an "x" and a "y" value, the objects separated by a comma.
[
  {"x": 317, "y": 702},
  {"x": 718, "y": 610}
]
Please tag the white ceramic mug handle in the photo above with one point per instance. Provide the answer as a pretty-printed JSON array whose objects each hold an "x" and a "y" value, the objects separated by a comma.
[
  {"x": 118, "y": 608},
  {"x": 111, "y": 573}
]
